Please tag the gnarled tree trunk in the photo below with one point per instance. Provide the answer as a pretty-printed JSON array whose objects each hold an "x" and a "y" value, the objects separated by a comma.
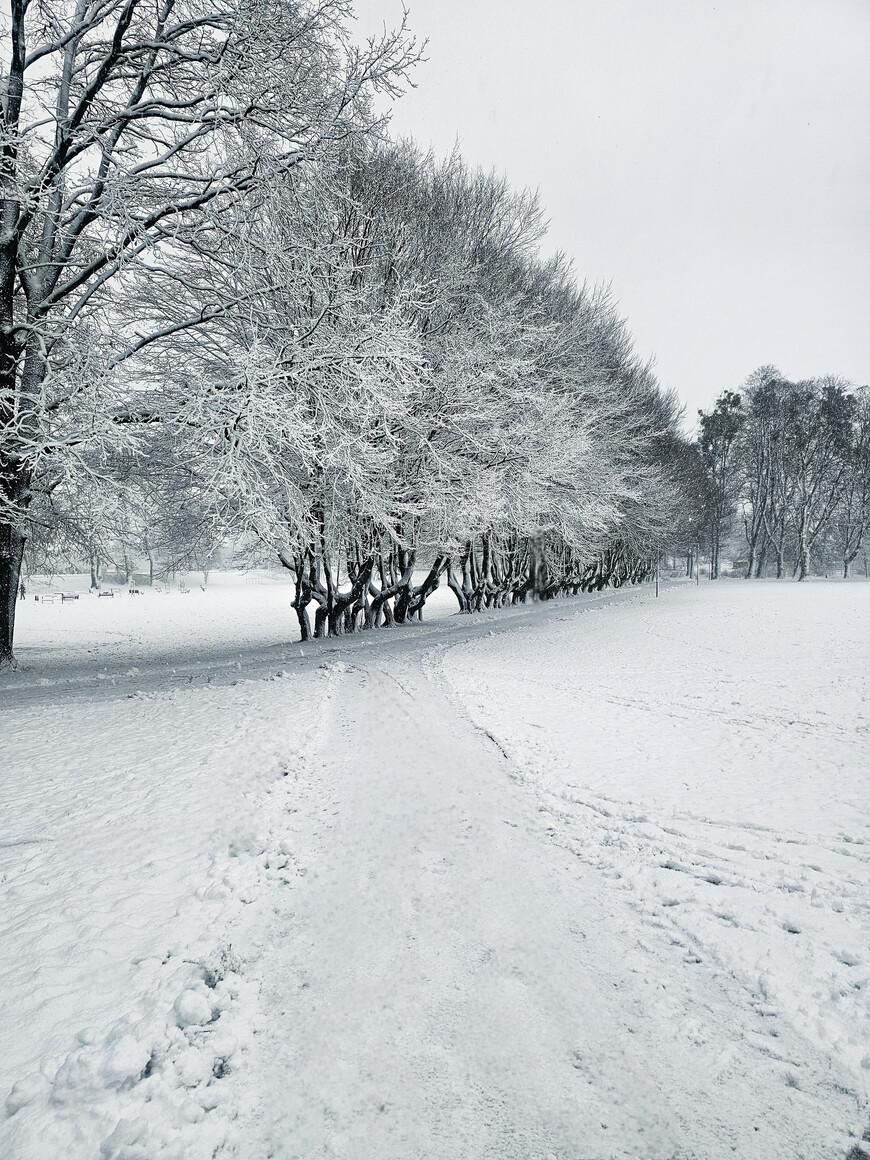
[{"x": 11, "y": 554}]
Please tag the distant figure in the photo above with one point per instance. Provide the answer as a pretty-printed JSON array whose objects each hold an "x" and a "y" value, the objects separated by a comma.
[{"x": 22, "y": 590}]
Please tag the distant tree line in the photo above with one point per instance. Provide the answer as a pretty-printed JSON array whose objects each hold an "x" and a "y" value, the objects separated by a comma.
[
  {"x": 230, "y": 307},
  {"x": 788, "y": 467}
]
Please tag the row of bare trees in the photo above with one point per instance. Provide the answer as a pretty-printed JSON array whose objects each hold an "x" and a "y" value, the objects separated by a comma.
[
  {"x": 790, "y": 463},
  {"x": 229, "y": 307}
]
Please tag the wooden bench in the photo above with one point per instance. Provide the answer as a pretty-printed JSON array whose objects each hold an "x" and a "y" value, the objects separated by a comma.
[
  {"x": 105, "y": 594},
  {"x": 64, "y": 596}
]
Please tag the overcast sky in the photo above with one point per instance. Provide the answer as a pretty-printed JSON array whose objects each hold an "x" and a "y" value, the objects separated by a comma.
[{"x": 710, "y": 161}]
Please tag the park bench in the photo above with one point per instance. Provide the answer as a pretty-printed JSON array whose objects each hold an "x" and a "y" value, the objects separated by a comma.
[
  {"x": 105, "y": 594},
  {"x": 47, "y": 597},
  {"x": 64, "y": 596}
]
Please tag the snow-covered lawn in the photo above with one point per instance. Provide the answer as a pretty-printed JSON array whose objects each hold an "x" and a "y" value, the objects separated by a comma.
[
  {"x": 185, "y": 628},
  {"x": 588, "y": 879},
  {"x": 712, "y": 752}
]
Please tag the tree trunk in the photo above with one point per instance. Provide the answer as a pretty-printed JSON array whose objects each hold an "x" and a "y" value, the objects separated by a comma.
[
  {"x": 780, "y": 556},
  {"x": 402, "y": 593},
  {"x": 96, "y": 578},
  {"x": 804, "y": 562},
  {"x": 302, "y": 594},
  {"x": 321, "y": 622},
  {"x": 456, "y": 588},
  {"x": 15, "y": 484},
  {"x": 11, "y": 555},
  {"x": 422, "y": 592},
  {"x": 752, "y": 539},
  {"x": 466, "y": 564},
  {"x": 762, "y": 558},
  {"x": 392, "y": 586},
  {"x": 341, "y": 607},
  {"x": 304, "y": 622}
]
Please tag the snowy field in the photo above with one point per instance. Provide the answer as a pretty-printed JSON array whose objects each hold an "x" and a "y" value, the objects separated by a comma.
[
  {"x": 183, "y": 629},
  {"x": 589, "y": 879}
]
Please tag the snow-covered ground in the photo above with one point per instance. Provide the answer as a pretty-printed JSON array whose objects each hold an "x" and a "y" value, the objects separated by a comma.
[
  {"x": 185, "y": 629},
  {"x": 585, "y": 880}
]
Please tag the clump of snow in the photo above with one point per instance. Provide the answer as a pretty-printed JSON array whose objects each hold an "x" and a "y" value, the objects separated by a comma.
[
  {"x": 27, "y": 1090},
  {"x": 144, "y": 1088},
  {"x": 125, "y": 1060},
  {"x": 192, "y": 1007}
]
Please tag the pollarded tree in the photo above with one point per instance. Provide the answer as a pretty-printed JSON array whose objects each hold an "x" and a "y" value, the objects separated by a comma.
[{"x": 126, "y": 131}]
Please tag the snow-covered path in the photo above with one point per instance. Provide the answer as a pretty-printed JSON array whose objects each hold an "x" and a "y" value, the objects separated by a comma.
[
  {"x": 461, "y": 984},
  {"x": 591, "y": 880}
]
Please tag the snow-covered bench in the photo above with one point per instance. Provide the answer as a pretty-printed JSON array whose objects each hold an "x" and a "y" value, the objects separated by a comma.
[{"x": 64, "y": 596}]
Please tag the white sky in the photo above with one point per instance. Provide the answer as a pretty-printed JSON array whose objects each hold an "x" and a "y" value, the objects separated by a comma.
[{"x": 710, "y": 161}]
